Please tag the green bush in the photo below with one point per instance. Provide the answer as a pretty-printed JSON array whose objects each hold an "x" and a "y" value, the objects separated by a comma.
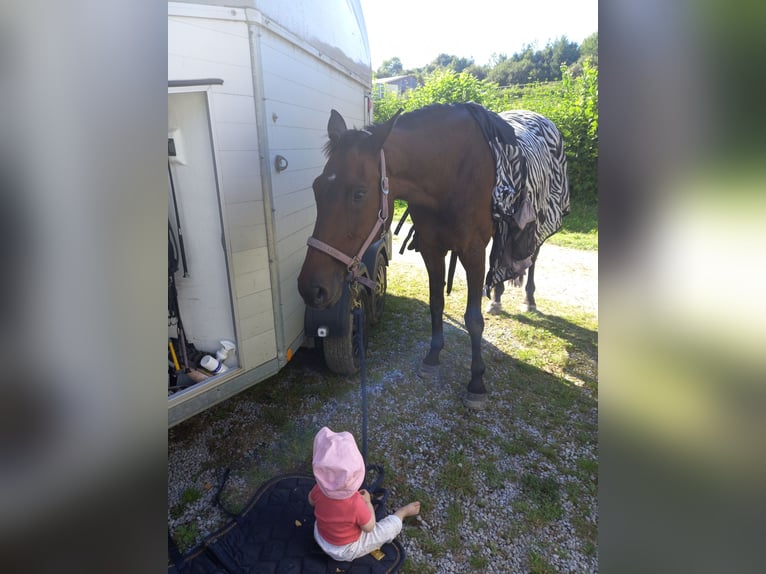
[
  {"x": 572, "y": 104},
  {"x": 443, "y": 86}
]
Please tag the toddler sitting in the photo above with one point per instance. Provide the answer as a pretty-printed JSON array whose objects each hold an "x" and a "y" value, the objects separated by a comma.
[{"x": 345, "y": 527}]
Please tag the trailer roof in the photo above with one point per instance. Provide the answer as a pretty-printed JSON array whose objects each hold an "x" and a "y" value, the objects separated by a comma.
[{"x": 334, "y": 27}]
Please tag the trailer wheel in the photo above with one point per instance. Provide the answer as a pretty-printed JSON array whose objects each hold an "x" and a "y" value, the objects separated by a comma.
[
  {"x": 378, "y": 299},
  {"x": 341, "y": 354}
]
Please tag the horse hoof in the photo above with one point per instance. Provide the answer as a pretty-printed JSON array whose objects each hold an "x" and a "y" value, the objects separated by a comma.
[
  {"x": 475, "y": 401},
  {"x": 494, "y": 308},
  {"x": 428, "y": 372},
  {"x": 528, "y": 308}
]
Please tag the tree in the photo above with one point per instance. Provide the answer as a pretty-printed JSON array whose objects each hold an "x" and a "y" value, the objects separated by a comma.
[
  {"x": 496, "y": 58},
  {"x": 389, "y": 68},
  {"x": 518, "y": 70},
  {"x": 589, "y": 47},
  {"x": 478, "y": 72},
  {"x": 588, "y": 53},
  {"x": 533, "y": 65},
  {"x": 449, "y": 61}
]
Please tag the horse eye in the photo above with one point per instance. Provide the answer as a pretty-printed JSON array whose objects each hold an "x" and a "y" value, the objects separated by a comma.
[{"x": 358, "y": 194}]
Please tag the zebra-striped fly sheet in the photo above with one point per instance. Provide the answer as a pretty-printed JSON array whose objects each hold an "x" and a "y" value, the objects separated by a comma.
[{"x": 531, "y": 192}]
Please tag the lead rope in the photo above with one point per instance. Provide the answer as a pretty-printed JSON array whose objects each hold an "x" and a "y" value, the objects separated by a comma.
[
  {"x": 379, "y": 494},
  {"x": 363, "y": 373}
]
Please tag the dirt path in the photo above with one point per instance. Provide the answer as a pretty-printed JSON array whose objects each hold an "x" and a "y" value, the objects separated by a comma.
[{"x": 562, "y": 274}]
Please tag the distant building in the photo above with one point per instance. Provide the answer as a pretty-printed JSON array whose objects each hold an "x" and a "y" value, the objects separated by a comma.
[{"x": 395, "y": 84}]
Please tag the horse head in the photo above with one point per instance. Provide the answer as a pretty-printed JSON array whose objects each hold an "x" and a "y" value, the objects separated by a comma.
[{"x": 348, "y": 200}]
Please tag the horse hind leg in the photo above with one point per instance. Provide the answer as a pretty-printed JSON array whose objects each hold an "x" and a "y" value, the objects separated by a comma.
[
  {"x": 529, "y": 301},
  {"x": 495, "y": 306}
]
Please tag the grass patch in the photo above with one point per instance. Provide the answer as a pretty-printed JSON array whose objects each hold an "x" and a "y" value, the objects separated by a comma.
[
  {"x": 588, "y": 466},
  {"x": 538, "y": 564},
  {"x": 588, "y": 532},
  {"x": 276, "y": 415},
  {"x": 427, "y": 542},
  {"x": 455, "y": 475},
  {"x": 549, "y": 452},
  {"x": 477, "y": 561},
  {"x": 579, "y": 229},
  {"x": 454, "y": 518},
  {"x": 190, "y": 495},
  {"x": 186, "y": 535},
  {"x": 411, "y": 566},
  {"x": 589, "y": 548},
  {"x": 519, "y": 445},
  {"x": 494, "y": 478},
  {"x": 177, "y": 511},
  {"x": 452, "y": 526},
  {"x": 542, "y": 497}
]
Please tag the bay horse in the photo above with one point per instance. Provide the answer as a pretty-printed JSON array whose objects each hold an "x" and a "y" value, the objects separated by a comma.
[{"x": 444, "y": 161}]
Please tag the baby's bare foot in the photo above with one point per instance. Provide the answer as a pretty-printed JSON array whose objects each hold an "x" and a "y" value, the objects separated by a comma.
[{"x": 412, "y": 509}]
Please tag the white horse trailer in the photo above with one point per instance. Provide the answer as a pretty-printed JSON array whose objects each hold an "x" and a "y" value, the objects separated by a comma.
[{"x": 250, "y": 87}]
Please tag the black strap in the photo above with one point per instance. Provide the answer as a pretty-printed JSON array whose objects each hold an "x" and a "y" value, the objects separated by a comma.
[
  {"x": 402, "y": 220},
  {"x": 363, "y": 374},
  {"x": 178, "y": 222},
  {"x": 172, "y": 251}
]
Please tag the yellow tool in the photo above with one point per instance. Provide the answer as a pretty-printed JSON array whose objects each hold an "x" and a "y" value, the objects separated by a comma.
[
  {"x": 173, "y": 355},
  {"x": 377, "y": 554}
]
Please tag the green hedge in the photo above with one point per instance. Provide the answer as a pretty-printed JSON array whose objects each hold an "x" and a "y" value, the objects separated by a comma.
[{"x": 572, "y": 104}]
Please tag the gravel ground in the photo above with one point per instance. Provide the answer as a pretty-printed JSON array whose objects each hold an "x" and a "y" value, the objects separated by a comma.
[{"x": 467, "y": 468}]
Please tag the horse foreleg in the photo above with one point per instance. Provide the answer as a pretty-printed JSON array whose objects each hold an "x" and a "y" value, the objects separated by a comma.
[
  {"x": 529, "y": 302},
  {"x": 434, "y": 261},
  {"x": 476, "y": 395}
]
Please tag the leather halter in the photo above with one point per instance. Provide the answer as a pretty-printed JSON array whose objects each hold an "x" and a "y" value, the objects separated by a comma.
[{"x": 354, "y": 263}]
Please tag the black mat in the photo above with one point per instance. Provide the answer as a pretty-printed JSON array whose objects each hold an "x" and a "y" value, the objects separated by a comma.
[{"x": 274, "y": 534}]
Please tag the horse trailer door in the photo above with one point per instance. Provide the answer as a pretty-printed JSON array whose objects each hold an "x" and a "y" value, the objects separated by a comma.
[{"x": 204, "y": 293}]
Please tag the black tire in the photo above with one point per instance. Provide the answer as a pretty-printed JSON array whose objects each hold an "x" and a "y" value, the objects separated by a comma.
[
  {"x": 378, "y": 297},
  {"x": 341, "y": 354}
]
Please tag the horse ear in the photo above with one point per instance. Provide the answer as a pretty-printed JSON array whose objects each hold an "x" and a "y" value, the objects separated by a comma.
[
  {"x": 382, "y": 132},
  {"x": 336, "y": 126}
]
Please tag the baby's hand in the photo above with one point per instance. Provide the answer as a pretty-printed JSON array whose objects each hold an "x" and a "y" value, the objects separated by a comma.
[{"x": 365, "y": 495}]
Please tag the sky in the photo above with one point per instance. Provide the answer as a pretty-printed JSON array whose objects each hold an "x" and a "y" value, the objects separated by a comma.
[{"x": 417, "y": 31}]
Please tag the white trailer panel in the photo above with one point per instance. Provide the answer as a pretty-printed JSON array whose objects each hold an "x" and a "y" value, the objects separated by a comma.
[{"x": 262, "y": 76}]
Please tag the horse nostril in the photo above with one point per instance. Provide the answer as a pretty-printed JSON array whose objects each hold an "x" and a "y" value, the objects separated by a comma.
[{"x": 318, "y": 295}]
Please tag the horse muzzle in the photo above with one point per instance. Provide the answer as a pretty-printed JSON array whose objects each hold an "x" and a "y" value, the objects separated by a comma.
[
  {"x": 319, "y": 290},
  {"x": 316, "y": 296}
]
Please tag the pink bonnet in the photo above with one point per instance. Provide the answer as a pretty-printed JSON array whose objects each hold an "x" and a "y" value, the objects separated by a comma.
[{"x": 338, "y": 464}]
